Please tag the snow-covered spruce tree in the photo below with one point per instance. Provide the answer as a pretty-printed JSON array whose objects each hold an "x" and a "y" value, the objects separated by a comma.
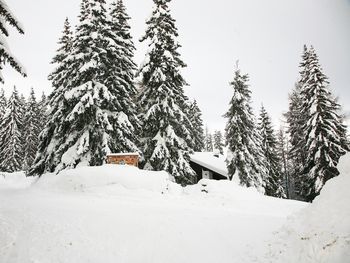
[
  {"x": 269, "y": 145},
  {"x": 296, "y": 120},
  {"x": 164, "y": 118},
  {"x": 195, "y": 116},
  {"x": 52, "y": 135},
  {"x": 286, "y": 164},
  {"x": 3, "y": 102},
  {"x": 219, "y": 142},
  {"x": 86, "y": 118},
  {"x": 245, "y": 158},
  {"x": 324, "y": 131},
  {"x": 42, "y": 111},
  {"x": 120, "y": 81},
  {"x": 208, "y": 141},
  {"x": 5, "y": 53},
  {"x": 31, "y": 130},
  {"x": 11, "y": 148}
]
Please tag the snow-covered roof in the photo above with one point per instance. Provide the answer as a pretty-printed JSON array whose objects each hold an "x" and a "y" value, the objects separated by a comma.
[
  {"x": 210, "y": 161},
  {"x": 122, "y": 154}
]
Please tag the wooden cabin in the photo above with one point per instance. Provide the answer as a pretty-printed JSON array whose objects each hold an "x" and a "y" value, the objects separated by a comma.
[
  {"x": 209, "y": 165},
  {"x": 123, "y": 158}
]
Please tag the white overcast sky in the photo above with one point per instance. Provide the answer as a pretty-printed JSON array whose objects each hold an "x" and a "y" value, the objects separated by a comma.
[{"x": 266, "y": 36}]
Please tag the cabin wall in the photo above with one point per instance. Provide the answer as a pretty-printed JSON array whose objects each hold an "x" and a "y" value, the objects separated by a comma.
[{"x": 126, "y": 159}]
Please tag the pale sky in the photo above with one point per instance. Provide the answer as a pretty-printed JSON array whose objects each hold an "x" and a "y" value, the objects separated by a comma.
[{"x": 266, "y": 36}]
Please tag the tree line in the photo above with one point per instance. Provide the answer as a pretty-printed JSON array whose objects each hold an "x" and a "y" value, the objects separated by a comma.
[
  {"x": 102, "y": 102},
  {"x": 21, "y": 121}
]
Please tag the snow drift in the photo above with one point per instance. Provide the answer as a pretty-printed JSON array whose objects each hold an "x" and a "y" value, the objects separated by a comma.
[
  {"x": 110, "y": 175},
  {"x": 321, "y": 232},
  {"x": 16, "y": 180}
]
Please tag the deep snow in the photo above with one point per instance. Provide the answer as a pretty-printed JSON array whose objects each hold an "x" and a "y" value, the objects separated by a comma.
[
  {"x": 319, "y": 233},
  {"x": 122, "y": 214}
]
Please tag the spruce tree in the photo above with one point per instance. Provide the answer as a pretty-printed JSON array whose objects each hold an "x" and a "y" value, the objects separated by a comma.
[
  {"x": 3, "y": 102},
  {"x": 296, "y": 120},
  {"x": 120, "y": 81},
  {"x": 52, "y": 135},
  {"x": 273, "y": 182},
  {"x": 324, "y": 131},
  {"x": 11, "y": 148},
  {"x": 208, "y": 141},
  {"x": 31, "y": 131},
  {"x": 283, "y": 152},
  {"x": 166, "y": 134},
  {"x": 195, "y": 116},
  {"x": 245, "y": 157},
  {"x": 6, "y": 56},
  {"x": 219, "y": 142},
  {"x": 42, "y": 111}
]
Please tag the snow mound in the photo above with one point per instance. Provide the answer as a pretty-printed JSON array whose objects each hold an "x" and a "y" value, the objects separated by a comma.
[
  {"x": 17, "y": 180},
  {"x": 321, "y": 232},
  {"x": 226, "y": 188},
  {"x": 246, "y": 200},
  {"x": 105, "y": 177}
]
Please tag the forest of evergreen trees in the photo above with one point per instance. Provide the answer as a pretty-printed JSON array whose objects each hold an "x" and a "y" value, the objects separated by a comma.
[{"x": 102, "y": 102}]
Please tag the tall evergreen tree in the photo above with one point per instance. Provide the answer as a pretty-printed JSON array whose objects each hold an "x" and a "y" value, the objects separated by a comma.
[
  {"x": 42, "y": 108},
  {"x": 245, "y": 156},
  {"x": 51, "y": 136},
  {"x": 31, "y": 131},
  {"x": 219, "y": 142},
  {"x": 11, "y": 148},
  {"x": 296, "y": 120},
  {"x": 164, "y": 107},
  {"x": 324, "y": 131},
  {"x": 208, "y": 141},
  {"x": 87, "y": 120},
  {"x": 269, "y": 146},
  {"x": 3, "y": 102},
  {"x": 5, "y": 53},
  {"x": 195, "y": 116},
  {"x": 283, "y": 152},
  {"x": 120, "y": 80}
]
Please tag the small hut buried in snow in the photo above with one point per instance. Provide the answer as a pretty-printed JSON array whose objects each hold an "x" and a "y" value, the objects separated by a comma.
[
  {"x": 209, "y": 165},
  {"x": 123, "y": 158}
]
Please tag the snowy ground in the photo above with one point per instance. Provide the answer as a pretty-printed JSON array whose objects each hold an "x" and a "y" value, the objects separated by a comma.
[{"x": 121, "y": 214}]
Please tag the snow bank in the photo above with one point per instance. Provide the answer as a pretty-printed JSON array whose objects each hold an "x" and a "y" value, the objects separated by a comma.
[
  {"x": 321, "y": 232},
  {"x": 16, "y": 180},
  {"x": 231, "y": 195},
  {"x": 107, "y": 176}
]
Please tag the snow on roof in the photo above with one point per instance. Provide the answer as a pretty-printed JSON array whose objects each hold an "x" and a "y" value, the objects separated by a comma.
[
  {"x": 211, "y": 162},
  {"x": 122, "y": 154}
]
